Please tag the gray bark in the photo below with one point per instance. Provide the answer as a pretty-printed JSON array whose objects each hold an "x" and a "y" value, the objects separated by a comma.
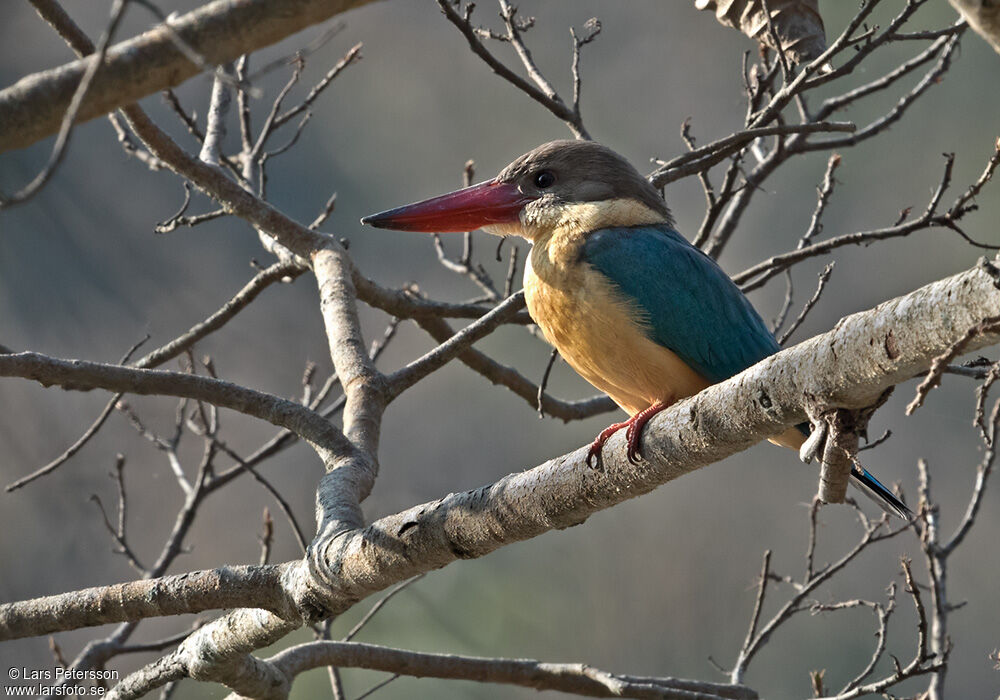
[{"x": 218, "y": 32}]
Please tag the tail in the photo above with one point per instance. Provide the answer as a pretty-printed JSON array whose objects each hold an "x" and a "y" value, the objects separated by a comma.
[
  {"x": 875, "y": 490},
  {"x": 861, "y": 478}
]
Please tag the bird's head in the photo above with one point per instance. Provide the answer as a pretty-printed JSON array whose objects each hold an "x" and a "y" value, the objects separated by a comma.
[{"x": 580, "y": 184}]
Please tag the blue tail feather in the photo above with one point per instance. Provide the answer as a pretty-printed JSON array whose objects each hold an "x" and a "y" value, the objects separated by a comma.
[{"x": 873, "y": 488}]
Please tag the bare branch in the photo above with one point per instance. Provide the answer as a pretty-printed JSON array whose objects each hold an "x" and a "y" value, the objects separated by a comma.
[
  {"x": 911, "y": 588},
  {"x": 218, "y": 110},
  {"x": 352, "y": 55},
  {"x": 282, "y": 503},
  {"x": 172, "y": 349},
  {"x": 509, "y": 377},
  {"x": 765, "y": 571},
  {"x": 266, "y": 538},
  {"x": 544, "y": 94},
  {"x": 325, "y": 214},
  {"x": 72, "y": 113},
  {"x": 933, "y": 378},
  {"x": 374, "y": 610},
  {"x": 94, "y": 375},
  {"x": 705, "y": 157},
  {"x": 833, "y": 104},
  {"x": 932, "y": 77},
  {"x": 118, "y": 534},
  {"x": 825, "y": 191},
  {"x": 192, "y": 592},
  {"x": 983, "y": 472},
  {"x": 723, "y": 418},
  {"x": 220, "y": 32},
  {"x": 378, "y": 686},
  {"x": 464, "y": 266},
  {"x": 578, "y": 679},
  {"x": 755, "y": 276},
  {"x": 408, "y": 303},
  {"x": 824, "y": 277},
  {"x": 418, "y": 369},
  {"x": 795, "y": 603},
  {"x": 177, "y": 220},
  {"x": 70, "y": 451},
  {"x": 593, "y": 28},
  {"x": 261, "y": 281}
]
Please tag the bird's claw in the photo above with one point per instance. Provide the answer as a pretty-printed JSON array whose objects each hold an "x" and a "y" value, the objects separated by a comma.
[
  {"x": 594, "y": 455},
  {"x": 633, "y": 434},
  {"x": 636, "y": 424}
]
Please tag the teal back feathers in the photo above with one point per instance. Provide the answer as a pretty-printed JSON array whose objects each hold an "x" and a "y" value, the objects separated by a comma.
[{"x": 690, "y": 305}]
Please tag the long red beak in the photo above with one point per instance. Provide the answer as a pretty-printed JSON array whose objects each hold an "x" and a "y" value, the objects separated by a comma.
[{"x": 463, "y": 210}]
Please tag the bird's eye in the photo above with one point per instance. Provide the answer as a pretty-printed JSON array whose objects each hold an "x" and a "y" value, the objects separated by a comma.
[{"x": 544, "y": 179}]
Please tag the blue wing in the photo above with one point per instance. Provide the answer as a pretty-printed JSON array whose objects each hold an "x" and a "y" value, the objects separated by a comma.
[{"x": 690, "y": 305}]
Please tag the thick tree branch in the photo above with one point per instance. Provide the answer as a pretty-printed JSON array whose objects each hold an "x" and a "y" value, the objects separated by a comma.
[
  {"x": 352, "y": 475},
  {"x": 219, "y": 32},
  {"x": 219, "y": 652},
  {"x": 172, "y": 595},
  {"x": 849, "y": 367}
]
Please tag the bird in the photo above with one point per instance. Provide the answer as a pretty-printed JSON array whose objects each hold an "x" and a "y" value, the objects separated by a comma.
[{"x": 637, "y": 310}]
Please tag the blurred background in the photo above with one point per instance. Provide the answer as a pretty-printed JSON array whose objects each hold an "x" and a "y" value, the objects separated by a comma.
[{"x": 655, "y": 586}]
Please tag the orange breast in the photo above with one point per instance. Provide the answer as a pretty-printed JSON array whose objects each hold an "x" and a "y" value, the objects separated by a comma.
[{"x": 600, "y": 333}]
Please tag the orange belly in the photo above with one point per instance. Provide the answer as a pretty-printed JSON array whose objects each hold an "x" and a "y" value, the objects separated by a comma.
[{"x": 596, "y": 332}]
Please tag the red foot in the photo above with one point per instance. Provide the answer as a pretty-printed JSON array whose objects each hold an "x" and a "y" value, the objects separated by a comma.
[
  {"x": 598, "y": 444},
  {"x": 633, "y": 433},
  {"x": 636, "y": 424}
]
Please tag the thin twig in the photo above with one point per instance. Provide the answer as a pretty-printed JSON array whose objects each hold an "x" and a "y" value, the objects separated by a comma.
[
  {"x": 378, "y": 686},
  {"x": 545, "y": 380},
  {"x": 353, "y": 54},
  {"x": 379, "y": 605},
  {"x": 824, "y": 277},
  {"x": 403, "y": 379},
  {"x": 705, "y": 157},
  {"x": 547, "y": 98},
  {"x": 266, "y": 537}
]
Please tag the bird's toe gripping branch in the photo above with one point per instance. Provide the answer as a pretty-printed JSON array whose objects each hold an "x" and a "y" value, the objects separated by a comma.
[
  {"x": 594, "y": 454},
  {"x": 633, "y": 434}
]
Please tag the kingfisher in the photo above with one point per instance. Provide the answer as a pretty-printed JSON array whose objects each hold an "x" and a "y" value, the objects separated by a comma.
[{"x": 629, "y": 303}]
